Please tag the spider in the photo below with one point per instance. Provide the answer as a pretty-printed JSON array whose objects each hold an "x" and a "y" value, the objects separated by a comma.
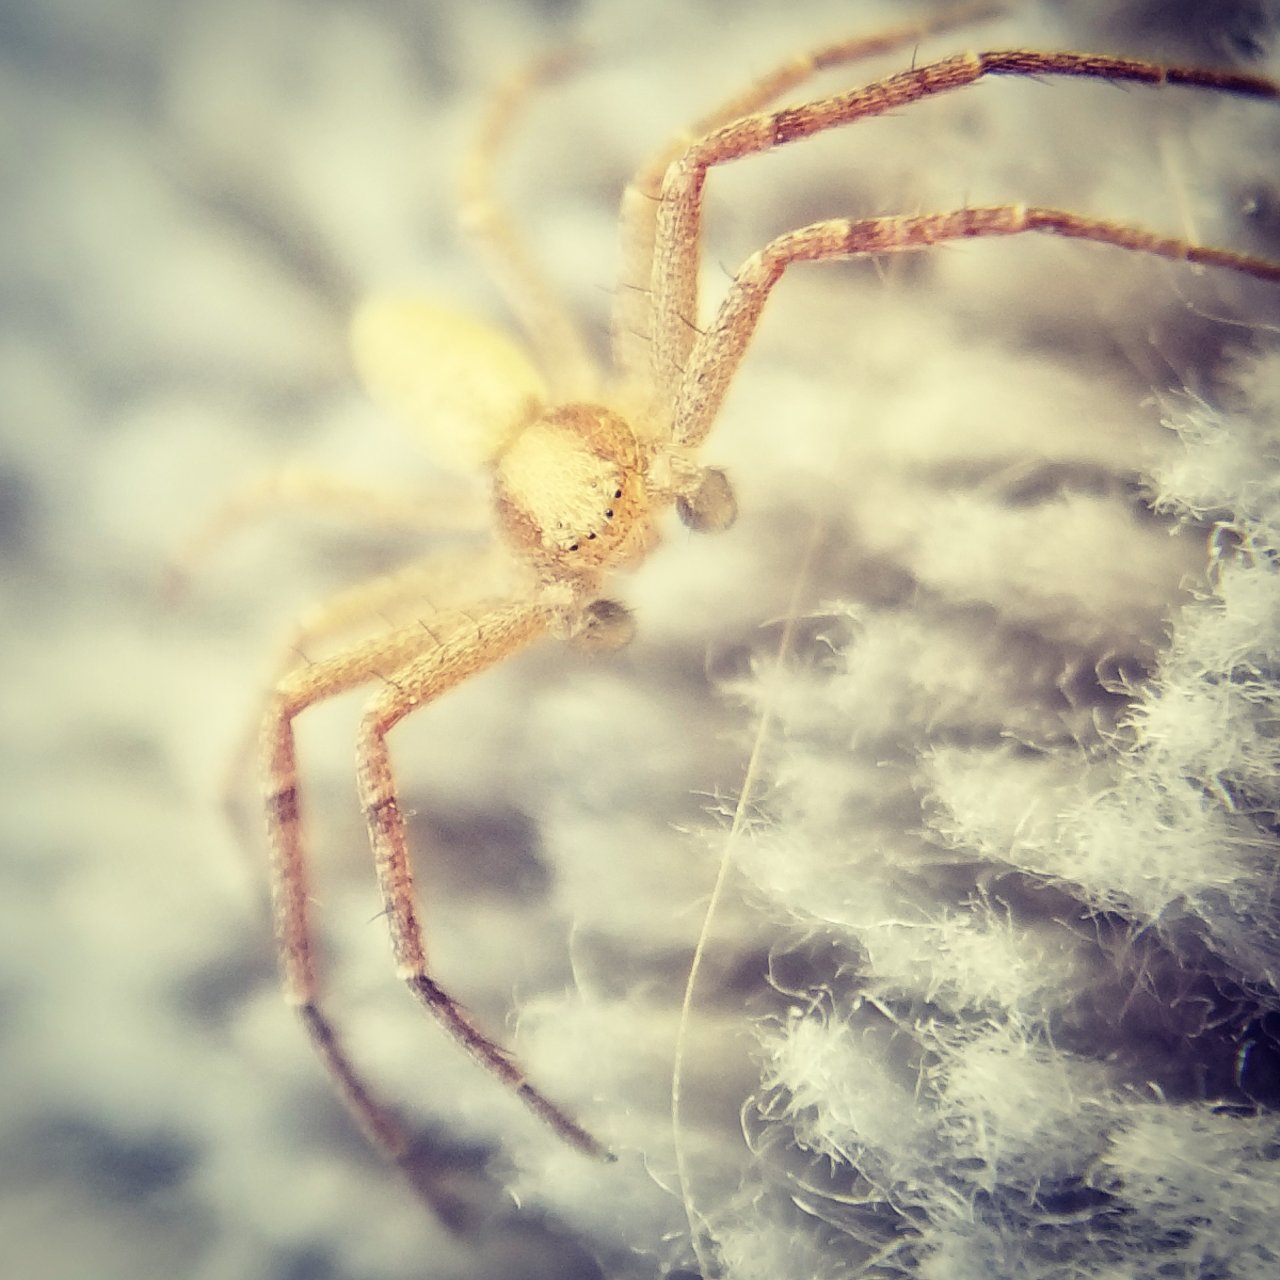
[{"x": 584, "y": 463}]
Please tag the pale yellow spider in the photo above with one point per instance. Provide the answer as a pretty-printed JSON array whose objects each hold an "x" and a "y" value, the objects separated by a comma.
[{"x": 585, "y": 463}]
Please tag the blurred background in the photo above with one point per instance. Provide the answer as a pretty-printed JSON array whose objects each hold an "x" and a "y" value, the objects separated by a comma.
[{"x": 195, "y": 197}]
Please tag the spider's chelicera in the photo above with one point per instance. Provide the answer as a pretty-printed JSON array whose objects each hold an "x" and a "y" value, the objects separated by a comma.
[{"x": 585, "y": 464}]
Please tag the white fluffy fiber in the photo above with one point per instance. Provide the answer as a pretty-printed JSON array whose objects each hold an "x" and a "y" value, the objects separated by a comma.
[
  {"x": 939, "y": 1075},
  {"x": 990, "y": 989}
]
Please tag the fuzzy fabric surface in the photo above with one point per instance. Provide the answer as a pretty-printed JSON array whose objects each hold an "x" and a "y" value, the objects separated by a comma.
[{"x": 987, "y": 958}]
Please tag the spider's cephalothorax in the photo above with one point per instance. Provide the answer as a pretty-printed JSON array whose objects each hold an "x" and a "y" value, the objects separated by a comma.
[
  {"x": 579, "y": 488},
  {"x": 578, "y": 492},
  {"x": 571, "y": 492}
]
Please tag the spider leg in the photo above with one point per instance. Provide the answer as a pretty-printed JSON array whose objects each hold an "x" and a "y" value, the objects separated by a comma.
[
  {"x": 720, "y": 348},
  {"x": 290, "y": 487},
  {"x": 553, "y": 333},
  {"x": 419, "y": 663},
  {"x": 465, "y": 646},
  {"x": 295, "y": 691},
  {"x": 677, "y": 249},
  {"x": 413, "y": 593},
  {"x": 407, "y": 595},
  {"x": 632, "y": 322}
]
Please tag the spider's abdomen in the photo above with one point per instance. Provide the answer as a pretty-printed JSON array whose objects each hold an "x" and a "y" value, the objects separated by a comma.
[{"x": 570, "y": 490}]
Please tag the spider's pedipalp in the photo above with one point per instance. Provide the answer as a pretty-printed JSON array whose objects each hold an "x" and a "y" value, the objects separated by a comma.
[
  {"x": 710, "y": 507},
  {"x": 604, "y": 625}
]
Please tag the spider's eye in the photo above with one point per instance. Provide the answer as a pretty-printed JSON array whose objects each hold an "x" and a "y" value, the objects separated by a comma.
[
  {"x": 617, "y": 493},
  {"x": 608, "y": 515}
]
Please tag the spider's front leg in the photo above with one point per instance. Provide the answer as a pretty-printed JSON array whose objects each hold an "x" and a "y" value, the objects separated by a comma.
[
  {"x": 465, "y": 647},
  {"x": 634, "y": 304},
  {"x": 719, "y": 348},
  {"x": 417, "y": 663},
  {"x": 672, "y": 311},
  {"x": 295, "y": 691}
]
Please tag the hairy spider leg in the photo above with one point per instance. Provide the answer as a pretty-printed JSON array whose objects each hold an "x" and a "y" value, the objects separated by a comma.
[
  {"x": 418, "y": 663},
  {"x": 410, "y": 593},
  {"x": 296, "y": 690},
  {"x": 632, "y": 323},
  {"x": 318, "y": 491},
  {"x": 468, "y": 644},
  {"x": 678, "y": 249},
  {"x": 721, "y": 346}
]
